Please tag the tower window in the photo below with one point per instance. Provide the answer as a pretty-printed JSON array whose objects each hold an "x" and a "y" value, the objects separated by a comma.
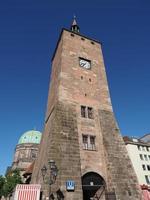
[
  {"x": 92, "y": 142},
  {"x": 90, "y": 79},
  {"x": 92, "y": 42},
  {"x": 82, "y": 39},
  {"x": 88, "y": 142},
  {"x": 90, "y": 113},
  {"x": 83, "y": 111},
  {"x": 85, "y": 141},
  {"x": 87, "y": 112},
  {"x": 72, "y": 34}
]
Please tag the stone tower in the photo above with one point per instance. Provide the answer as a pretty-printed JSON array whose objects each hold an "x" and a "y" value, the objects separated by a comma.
[{"x": 81, "y": 134}]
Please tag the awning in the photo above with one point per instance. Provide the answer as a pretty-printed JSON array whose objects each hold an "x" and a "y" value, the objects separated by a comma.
[
  {"x": 146, "y": 194},
  {"x": 27, "y": 192}
]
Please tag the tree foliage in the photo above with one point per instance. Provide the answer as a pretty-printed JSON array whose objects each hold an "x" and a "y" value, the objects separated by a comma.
[
  {"x": 2, "y": 181},
  {"x": 9, "y": 182}
]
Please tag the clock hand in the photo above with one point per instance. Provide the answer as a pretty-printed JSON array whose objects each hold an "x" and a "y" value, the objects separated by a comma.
[{"x": 82, "y": 64}]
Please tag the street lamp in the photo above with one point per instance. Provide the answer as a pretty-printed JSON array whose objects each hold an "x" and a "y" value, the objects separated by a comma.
[{"x": 53, "y": 171}]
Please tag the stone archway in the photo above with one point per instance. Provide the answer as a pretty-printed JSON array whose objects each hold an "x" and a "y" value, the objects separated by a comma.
[{"x": 93, "y": 186}]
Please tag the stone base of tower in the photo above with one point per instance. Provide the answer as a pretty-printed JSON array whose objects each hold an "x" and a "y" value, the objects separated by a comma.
[
  {"x": 121, "y": 176},
  {"x": 60, "y": 143}
]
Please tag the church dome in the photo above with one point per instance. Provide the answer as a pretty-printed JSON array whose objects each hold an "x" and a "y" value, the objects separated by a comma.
[{"x": 31, "y": 136}]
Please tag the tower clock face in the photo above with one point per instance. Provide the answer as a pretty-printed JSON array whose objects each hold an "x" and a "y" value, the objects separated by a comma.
[{"x": 85, "y": 63}]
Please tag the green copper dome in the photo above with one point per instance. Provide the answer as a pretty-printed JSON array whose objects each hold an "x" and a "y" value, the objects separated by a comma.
[{"x": 30, "y": 137}]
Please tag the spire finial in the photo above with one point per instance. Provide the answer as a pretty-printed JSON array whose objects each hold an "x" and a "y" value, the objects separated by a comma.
[{"x": 74, "y": 26}]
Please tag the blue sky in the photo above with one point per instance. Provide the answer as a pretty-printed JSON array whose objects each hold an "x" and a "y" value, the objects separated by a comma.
[{"x": 29, "y": 30}]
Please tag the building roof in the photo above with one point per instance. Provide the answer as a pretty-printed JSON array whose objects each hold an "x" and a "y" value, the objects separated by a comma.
[
  {"x": 31, "y": 136},
  {"x": 135, "y": 141},
  {"x": 146, "y": 138}
]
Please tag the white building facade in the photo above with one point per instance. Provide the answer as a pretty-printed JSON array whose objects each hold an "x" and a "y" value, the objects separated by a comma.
[{"x": 139, "y": 152}]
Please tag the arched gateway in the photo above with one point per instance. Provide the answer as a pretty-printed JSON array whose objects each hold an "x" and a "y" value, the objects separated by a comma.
[{"x": 93, "y": 186}]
